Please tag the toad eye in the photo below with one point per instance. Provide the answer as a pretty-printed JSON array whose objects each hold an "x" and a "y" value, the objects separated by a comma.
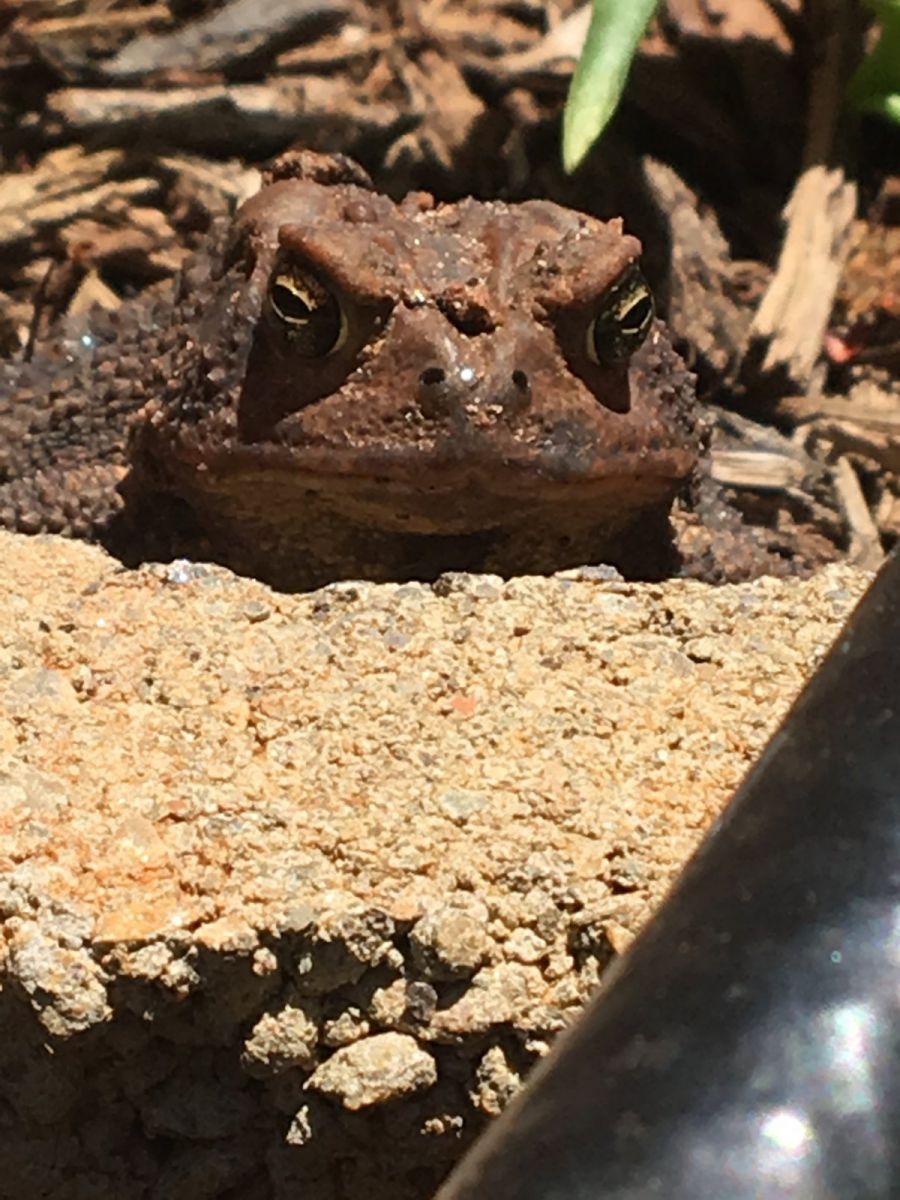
[
  {"x": 622, "y": 321},
  {"x": 314, "y": 320}
]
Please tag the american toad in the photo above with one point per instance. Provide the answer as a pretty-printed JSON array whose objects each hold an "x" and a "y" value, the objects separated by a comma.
[{"x": 349, "y": 387}]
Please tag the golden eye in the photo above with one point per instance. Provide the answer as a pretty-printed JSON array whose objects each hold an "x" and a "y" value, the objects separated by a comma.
[
  {"x": 623, "y": 320},
  {"x": 315, "y": 322}
]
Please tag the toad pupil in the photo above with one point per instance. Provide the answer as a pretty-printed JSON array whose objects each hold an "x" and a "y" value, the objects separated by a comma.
[
  {"x": 291, "y": 302},
  {"x": 638, "y": 314}
]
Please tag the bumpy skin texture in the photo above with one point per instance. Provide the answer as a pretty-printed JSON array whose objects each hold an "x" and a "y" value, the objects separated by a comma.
[{"x": 460, "y": 423}]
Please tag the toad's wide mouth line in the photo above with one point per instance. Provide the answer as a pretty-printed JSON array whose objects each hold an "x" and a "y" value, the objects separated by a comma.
[
  {"x": 549, "y": 473},
  {"x": 463, "y": 500}
]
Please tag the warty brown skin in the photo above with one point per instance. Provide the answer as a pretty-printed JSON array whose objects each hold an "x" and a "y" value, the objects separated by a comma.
[{"x": 461, "y": 420}]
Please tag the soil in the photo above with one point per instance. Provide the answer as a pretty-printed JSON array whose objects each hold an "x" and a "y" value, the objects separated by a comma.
[{"x": 294, "y": 890}]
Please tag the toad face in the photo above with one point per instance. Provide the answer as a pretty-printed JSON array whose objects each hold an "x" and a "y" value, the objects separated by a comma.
[{"x": 363, "y": 378}]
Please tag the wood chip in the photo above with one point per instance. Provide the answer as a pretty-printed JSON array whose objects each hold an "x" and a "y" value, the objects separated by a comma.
[
  {"x": 211, "y": 181},
  {"x": 73, "y": 44},
  {"x": 867, "y": 423},
  {"x": 351, "y": 44},
  {"x": 220, "y": 40},
  {"x": 794, "y": 312},
  {"x": 146, "y": 253},
  {"x": 849, "y": 438},
  {"x": 20, "y": 221},
  {"x": 884, "y": 417},
  {"x": 93, "y": 293},
  {"x": 557, "y": 52},
  {"x": 701, "y": 307},
  {"x": 316, "y": 111},
  {"x": 887, "y": 514},
  {"x": 761, "y": 470},
  {"x": 865, "y": 543},
  {"x": 60, "y": 174}
]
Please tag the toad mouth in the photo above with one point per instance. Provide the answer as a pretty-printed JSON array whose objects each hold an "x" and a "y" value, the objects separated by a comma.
[{"x": 453, "y": 497}]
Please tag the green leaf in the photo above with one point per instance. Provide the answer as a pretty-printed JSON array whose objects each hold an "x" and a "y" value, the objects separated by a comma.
[
  {"x": 875, "y": 87},
  {"x": 615, "y": 30}
]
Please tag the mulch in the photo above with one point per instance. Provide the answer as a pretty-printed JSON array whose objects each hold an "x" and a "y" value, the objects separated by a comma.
[{"x": 770, "y": 216}]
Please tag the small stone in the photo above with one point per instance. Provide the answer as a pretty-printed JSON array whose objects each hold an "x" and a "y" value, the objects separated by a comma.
[
  {"x": 421, "y": 1001},
  {"x": 300, "y": 1131},
  {"x": 450, "y": 941},
  {"x": 181, "y": 571},
  {"x": 388, "y": 1004},
  {"x": 66, "y": 986},
  {"x": 482, "y": 587},
  {"x": 374, "y": 1070},
  {"x": 298, "y": 918},
  {"x": 599, "y": 573},
  {"x": 40, "y": 690},
  {"x": 227, "y": 935},
  {"x": 255, "y": 611},
  {"x": 703, "y": 650},
  {"x": 525, "y": 946},
  {"x": 499, "y": 995},
  {"x": 264, "y": 961},
  {"x": 461, "y": 803},
  {"x": 396, "y": 639},
  {"x": 348, "y": 1027},
  {"x": 26, "y": 793},
  {"x": 280, "y": 1041},
  {"x": 495, "y": 1082}
]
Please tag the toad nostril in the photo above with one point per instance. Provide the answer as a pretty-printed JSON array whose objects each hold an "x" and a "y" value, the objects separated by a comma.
[
  {"x": 432, "y": 376},
  {"x": 517, "y": 393}
]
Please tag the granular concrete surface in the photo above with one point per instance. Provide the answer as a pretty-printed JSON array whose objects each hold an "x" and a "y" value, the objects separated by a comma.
[{"x": 295, "y": 889}]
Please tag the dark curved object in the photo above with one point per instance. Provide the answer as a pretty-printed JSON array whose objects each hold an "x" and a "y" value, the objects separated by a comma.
[{"x": 748, "y": 1045}]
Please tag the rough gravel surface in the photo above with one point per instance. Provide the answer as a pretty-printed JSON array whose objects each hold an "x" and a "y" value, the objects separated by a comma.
[{"x": 294, "y": 889}]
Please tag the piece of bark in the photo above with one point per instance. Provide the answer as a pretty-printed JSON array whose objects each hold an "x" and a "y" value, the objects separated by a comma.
[
  {"x": 61, "y": 176},
  {"x": 865, "y": 424},
  {"x": 868, "y": 406},
  {"x": 746, "y": 454},
  {"x": 201, "y": 189},
  {"x": 794, "y": 312},
  {"x": 59, "y": 285},
  {"x": 351, "y": 45},
  {"x": 761, "y": 470},
  {"x": 241, "y": 32},
  {"x": 701, "y": 305},
  {"x": 93, "y": 293},
  {"x": 19, "y": 221},
  {"x": 730, "y": 21},
  {"x": 887, "y": 514},
  {"x": 447, "y": 112},
  {"x": 554, "y": 55},
  {"x": 865, "y": 548},
  {"x": 72, "y": 44},
  {"x": 795, "y": 309},
  {"x": 776, "y": 480},
  {"x": 848, "y": 438},
  {"x": 220, "y": 118},
  {"x": 144, "y": 249}
]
